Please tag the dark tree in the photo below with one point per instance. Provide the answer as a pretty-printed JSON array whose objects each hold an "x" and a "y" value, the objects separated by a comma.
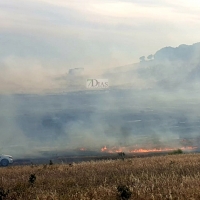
[
  {"x": 142, "y": 58},
  {"x": 150, "y": 57}
]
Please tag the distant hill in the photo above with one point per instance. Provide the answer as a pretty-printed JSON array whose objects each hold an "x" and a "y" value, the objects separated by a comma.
[
  {"x": 182, "y": 52},
  {"x": 169, "y": 68}
]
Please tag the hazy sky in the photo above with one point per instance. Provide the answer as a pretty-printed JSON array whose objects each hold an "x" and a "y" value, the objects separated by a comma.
[{"x": 43, "y": 38}]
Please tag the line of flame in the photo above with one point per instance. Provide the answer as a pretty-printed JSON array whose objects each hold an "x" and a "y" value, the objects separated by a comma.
[{"x": 141, "y": 150}]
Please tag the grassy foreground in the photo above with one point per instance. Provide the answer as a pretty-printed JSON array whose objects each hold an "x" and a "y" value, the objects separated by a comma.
[{"x": 163, "y": 177}]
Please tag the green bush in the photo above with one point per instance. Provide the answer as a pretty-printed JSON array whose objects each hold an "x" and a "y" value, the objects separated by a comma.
[
  {"x": 178, "y": 151},
  {"x": 121, "y": 155}
]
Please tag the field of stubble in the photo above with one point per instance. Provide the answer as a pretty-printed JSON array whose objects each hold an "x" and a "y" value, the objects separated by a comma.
[{"x": 160, "y": 177}]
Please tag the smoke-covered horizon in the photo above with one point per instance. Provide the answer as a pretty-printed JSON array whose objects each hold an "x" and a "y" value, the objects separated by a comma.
[
  {"x": 145, "y": 49},
  {"x": 92, "y": 120},
  {"x": 151, "y": 104}
]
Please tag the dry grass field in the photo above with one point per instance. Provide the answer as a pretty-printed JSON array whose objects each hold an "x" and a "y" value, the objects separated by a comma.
[{"x": 160, "y": 177}]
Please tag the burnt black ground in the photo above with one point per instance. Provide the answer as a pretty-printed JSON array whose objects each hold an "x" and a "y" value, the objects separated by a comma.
[{"x": 68, "y": 159}]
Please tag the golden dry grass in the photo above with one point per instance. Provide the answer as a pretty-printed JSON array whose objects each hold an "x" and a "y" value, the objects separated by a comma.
[{"x": 163, "y": 177}]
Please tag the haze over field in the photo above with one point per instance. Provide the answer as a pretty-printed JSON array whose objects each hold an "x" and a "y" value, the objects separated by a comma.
[
  {"x": 42, "y": 39},
  {"x": 50, "y": 48}
]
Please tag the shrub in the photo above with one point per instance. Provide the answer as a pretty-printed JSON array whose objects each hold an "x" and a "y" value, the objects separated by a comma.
[
  {"x": 122, "y": 155},
  {"x": 178, "y": 151},
  {"x": 32, "y": 179},
  {"x": 124, "y": 192},
  {"x": 50, "y": 162},
  {"x": 3, "y": 193}
]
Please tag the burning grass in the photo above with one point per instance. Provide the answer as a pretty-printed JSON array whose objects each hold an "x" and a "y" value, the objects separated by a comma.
[
  {"x": 160, "y": 177},
  {"x": 143, "y": 150}
]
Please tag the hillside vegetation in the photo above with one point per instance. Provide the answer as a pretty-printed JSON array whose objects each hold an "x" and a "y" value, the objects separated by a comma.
[{"x": 163, "y": 177}]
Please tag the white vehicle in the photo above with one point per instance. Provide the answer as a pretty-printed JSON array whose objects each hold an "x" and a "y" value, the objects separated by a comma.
[{"x": 5, "y": 160}]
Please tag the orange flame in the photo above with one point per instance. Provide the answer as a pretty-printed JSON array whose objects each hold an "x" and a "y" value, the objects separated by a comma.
[
  {"x": 141, "y": 150},
  {"x": 82, "y": 149},
  {"x": 160, "y": 149},
  {"x": 103, "y": 149}
]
